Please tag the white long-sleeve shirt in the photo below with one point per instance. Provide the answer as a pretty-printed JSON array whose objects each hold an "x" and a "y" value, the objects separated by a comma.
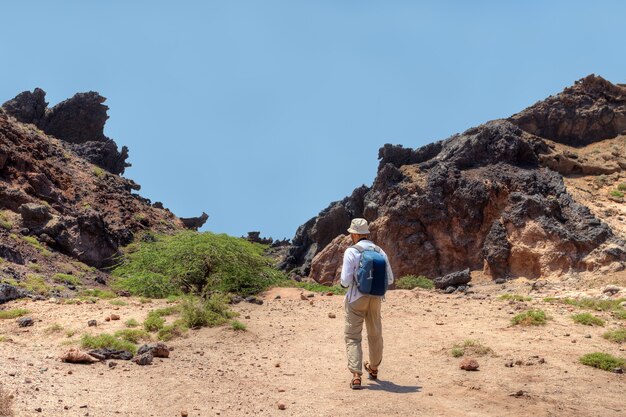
[{"x": 351, "y": 259}]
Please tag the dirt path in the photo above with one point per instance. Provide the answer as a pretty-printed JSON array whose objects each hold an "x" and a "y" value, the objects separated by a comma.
[{"x": 293, "y": 353}]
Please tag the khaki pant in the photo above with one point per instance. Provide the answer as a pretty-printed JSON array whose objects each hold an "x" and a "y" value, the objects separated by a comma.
[{"x": 365, "y": 308}]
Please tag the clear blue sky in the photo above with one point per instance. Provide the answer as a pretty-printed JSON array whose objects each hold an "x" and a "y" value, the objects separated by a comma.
[{"x": 262, "y": 112}]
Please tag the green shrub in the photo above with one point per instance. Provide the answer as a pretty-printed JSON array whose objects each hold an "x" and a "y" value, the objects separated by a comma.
[
  {"x": 170, "y": 331},
  {"x": 35, "y": 283},
  {"x": 144, "y": 300},
  {"x": 237, "y": 325},
  {"x": 514, "y": 297},
  {"x": 588, "y": 319},
  {"x": 408, "y": 282},
  {"x": 70, "y": 332},
  {"x": 312, "y": 286},
  {"x": 97, "y": 292},
  {"x": 470, "y": 347},
  {"x": 616, "y": 193},
  {"x": 35, "y": 267},
  {"x": 621, "y": 186},
  {"x": 153, "y": 323},
  {"x": 106, "y": 340},
  {"x": 131, "y": 323},
  {"x": 98, "y": 172},
  {"x": 55, "y": 328},
  {"x": 5, "y": 223},
  {"x": 530, "y": 318},
  {"x": 590, "y": 303},
  {"x": 617, "y": 336},
  {"x": 133, "y": 335},
  {"x": 66, "y": 279},
  {"x": 32, "y": 241},
  {"x": 120, "y": 303},
  {"x": 620, "y": 314},
  {"x": 192, "y": 262},
  {"x": 13, "y": 314},
  {"x": 603, "y": 361},
  {"x": 196, "y": 312}
]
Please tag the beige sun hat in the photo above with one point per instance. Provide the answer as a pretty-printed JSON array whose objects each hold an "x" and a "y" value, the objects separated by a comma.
[{"x": 359, "y": 226}]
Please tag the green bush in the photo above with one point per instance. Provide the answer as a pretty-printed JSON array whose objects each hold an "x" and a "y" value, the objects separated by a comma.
[
  {"x": 196, "y": 312},
  {"x": 5, "y": 223},
  {"x": 237, "y": 325},
  {"x": 192, "y": 262},
  {"x": 66, "y": 279},
  {"x": 96, "y": 292},
  {"x": 132, "y": 335},
  {"x": 530, "y": 318},
  {"x": 35, "y": 283},
  {"x": 470, "y": 347},
  {"x": 616, "y": 193},
  {"x": 13, "y": 314},
  {"x": 120, "y": 303},
  {"x": 590, "y": 303},
  {"x": 170, "y": 331},
  {"x": 621, "y": 186},
  {"x": 131, "y": 323},
  {"x": 153, "y": 323},
  {"x": 514, "y": 297},
  {"x": 617, "y": 336},
  {"x": 588, "y": 319},
  {"x": 106, "y": 340},
  {"x": 408, "y": 282},
  {"x": 313, "y": 287},
  {"x": 603, "y": 361}
]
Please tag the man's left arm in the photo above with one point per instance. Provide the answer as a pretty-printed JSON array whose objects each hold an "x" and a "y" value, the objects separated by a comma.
[{"x": 389, "y": 271}]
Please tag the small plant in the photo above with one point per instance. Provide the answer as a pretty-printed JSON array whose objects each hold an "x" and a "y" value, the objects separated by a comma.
[
  {"x": 313, "y": 287},
  {"x": 106, "y": 340},
  {"x": 620, "y": 314},
  {"x": 96, "y": 292},
  {"x": 616, "y": 194},
  {"x": 621, "y": 186},
  {"x": 70, "y": 333},
  {"x": 408, "y": 282},
  {"x": 591, "y": 303},
  {"x": 530, "y": 318},
  {"x": 35, "y": 267},
  {"x": 237, "y": 325},
  {"x": 132, "y": 335},
  {"x": 55, "y": 328},
  {"x": 588, "y": 319},
  {"x": 603, "y": 361},
  {"x": 36, "y": 244},
  {"x": 144, "y": 300},
  {"x": 198, "y": 313},
  {"x": 66, "y": 279},
  {"x": 470, "y": 347},
  {"x": 98, "y": 172},
  {"x": 2, "y": 338},
  {"x": 153, "y": 323},
  {"x": 6, "y": 402},
  {"x": 514, "y": 297},
  {"x": 35, "y": 283},
  {"x": 617, "y": 336},
  {"x": 13, "y": 314},
  {"x": 5, "y": 223},
  {"x": 131, "y": 323},
  {"x": 170, "y": 331},
  {"x": 601, "y": 180},
  {"x": 120, "y": 303}
]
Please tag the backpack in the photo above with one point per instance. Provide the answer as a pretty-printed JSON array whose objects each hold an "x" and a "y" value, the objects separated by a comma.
[{"x": 371, "y": 274}]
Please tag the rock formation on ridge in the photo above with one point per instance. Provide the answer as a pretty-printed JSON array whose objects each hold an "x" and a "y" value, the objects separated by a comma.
[{"x": 491, "y": 198}]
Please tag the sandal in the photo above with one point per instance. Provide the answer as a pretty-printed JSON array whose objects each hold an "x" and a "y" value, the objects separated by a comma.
[
  {"x": 356, "y": 382},
  {"x": 373, "y": 373}
]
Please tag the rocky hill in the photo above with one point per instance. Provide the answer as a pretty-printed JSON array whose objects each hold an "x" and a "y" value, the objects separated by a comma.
[
  {"x": 539, "y": 193},
  {"x": 63, "y": 205}
]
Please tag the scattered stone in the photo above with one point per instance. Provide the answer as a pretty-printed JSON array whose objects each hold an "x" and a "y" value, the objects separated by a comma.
[
  {"x": 112, "y": 364},
  {"x": 115, "y": 317},
  {"x": 158, "y": 350},
  {"x": 25, "y": 322},
  {"x": 236, "y": 299},
  {"x": 449, "y": 290},
  {"x": 500, "y": 281},
  {"x": 611, "y": 289},
  {"x": 144, "y": 359},
  {"x": 303, "y": 297},
  {"x": 332, "y": 315},
  {"x": 38, "y": 409},
  {"x": 311, "y": 295},
  {"x": 247, "y": 317},
  {"x": 281, "y": 406},
  {"x": 311, "y": 302},
  {"x": 92, "y": 323},
  {"x": 439, "y": 323},
  {"x": 106, "y": 353},
  {"x": 184, "y": 413},
  {"x": 253, "y": 300},
  {"x": 618, "y": 370},
  {"x": 278, "y": 297},
  {"x": 9, "y": 292},
  {"x": 469, "y": 364},
  {"x": 75, "y": 355},
  {"x": 329, "y": 293},
  {"x": 107, "y": 318},
  {"x": 519, "y": 393},
  {"x": 453, "y": 280},
  {"x": 587, "y": 336}
]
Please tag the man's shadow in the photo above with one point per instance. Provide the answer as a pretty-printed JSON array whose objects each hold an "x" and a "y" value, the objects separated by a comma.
[{"x": 379, "y": 385}]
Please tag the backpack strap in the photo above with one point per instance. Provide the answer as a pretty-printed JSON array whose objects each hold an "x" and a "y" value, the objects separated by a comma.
[{"x": 361, "y": 249}]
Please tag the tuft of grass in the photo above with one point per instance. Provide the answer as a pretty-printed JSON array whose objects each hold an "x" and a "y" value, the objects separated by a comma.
[
  {"x": 620, "y": 314},
  {"x": 144, "y": 300},
  {"x": 313, "y": 287},
  {"x": 98, "y": 293},
  {"x": 153, "y": 323},
  {"x": 237, "y": 325},
  {"x": 514, "y": 297},
  {"x": 106, "y": 340},
  {"x": 13, "y": 314},
  {"x": 131, "y": 323},
  {"x": 35, "y": 283},
  {"x": 35, "y": 267},
  {"x": 70, "y": 332},
  {"x": 617, "y": 336},
  {"x": 5, "y": 223},
  {"x": 193, "y": 262},
  {"x": 603, "y": 361},
  {"x": 196, "y": 312},
  {"x": 66, "y": 279},
  {"x": 470, "y": 347},
  {"x": 55, "y": 328},
  {"x": 6, "y": 402},
  {"x": 118, "y": 303},
  {"x": 621, "y": 186},
  {"x": 616, "y": 193},
  {"x": 98, "y": 172},
  {"x": 170, "y": 331},
  {"x": 409, "y": 282},
  {"x": 590, "y": 303},
  {"x": 588, "y": 319},
  {"x": 530, "y": 318},
  {"x": 133, "y": 335},
  {"x": 32, "y": 241}
]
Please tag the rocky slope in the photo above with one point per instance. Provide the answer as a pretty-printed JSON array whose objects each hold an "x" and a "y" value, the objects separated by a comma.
[
  {"x": 496, "y": 197},
  {"x": 63, "y": 206}
]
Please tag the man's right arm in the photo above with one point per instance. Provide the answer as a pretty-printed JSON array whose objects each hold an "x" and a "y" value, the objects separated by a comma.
[{"x": 347, "y": 268}]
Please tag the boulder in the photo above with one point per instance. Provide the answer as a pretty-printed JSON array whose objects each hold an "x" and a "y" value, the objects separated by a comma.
[
  {"x": 158, "y": 350},
  {"x": 10, "y": 293},
  {"x": 194, "y": 223},
  {"x": 34, "y": 214},
  {"x": 75, "y": 355}
]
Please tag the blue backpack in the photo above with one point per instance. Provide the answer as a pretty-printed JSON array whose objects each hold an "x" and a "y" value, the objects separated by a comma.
[{"x": 371, "y": 275}]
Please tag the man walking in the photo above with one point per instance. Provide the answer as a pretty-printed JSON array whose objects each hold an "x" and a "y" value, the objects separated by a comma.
[{"x": 363, "y": 299}]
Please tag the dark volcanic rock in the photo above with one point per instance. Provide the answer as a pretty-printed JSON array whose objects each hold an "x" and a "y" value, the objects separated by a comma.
[
  {"x": 104, "y": 154},
  {"x": 158, "y": 350},
  {"x": 496, "y": 250},
  {"x": 194, "y": 223},
  {"x": 11, "y": 254},
  {"x": 28, "y": 107},
  {"x": 106, "y": 353},
  {"x": 453, "y": 280},
  {"x": 33, "y": 213},
  {"x": 9, "y": 293},
  {"x": 591, "y": 110},
  {"x": 25, "y": 321}
]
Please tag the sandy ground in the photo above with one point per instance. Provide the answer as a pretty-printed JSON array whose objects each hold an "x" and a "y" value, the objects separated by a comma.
[{"x": 293, "y": 353}]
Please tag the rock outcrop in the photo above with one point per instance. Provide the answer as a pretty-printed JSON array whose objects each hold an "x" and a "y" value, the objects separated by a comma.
[
  {"x": 79, "y": 120},
  {"x": 490, "y": 198}
]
